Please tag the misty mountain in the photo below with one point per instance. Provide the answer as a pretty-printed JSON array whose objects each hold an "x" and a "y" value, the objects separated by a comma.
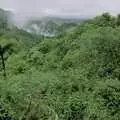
[
  {"x": 46, "y": 26},
  {"x": 49, "y": 26},
  {"x": 5, "y": 17}
]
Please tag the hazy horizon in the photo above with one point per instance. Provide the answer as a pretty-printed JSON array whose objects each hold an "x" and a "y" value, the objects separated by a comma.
[
  {"x": 25, "y": 9},
  {"x": 62, "y": 7}
]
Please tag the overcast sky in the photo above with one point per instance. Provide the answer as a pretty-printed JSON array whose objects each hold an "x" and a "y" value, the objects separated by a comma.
[{"x": 62, "y": 7}]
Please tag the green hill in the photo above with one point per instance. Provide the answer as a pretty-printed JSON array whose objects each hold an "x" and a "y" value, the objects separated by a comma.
[{"x": 72, "y": 76}]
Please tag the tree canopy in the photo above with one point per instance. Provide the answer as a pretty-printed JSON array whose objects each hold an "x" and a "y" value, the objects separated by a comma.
[{"x": 72, "y": 76}]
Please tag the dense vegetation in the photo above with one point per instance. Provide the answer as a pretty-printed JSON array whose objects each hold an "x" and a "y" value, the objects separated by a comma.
[{"x": 74, "y": 76}]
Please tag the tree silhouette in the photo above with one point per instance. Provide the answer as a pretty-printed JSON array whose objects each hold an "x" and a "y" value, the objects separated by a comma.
[
  {"x": 3, "y": 50},
  {"x": 118, "y": 20}
]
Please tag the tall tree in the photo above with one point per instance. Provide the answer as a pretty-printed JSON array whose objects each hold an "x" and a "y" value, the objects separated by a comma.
[
  {"x": 3, "y": 50},
  {"x": 118, "y": 20}
]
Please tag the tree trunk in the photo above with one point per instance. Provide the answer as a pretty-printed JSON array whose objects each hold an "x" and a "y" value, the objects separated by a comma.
[{"x": 3, "y": 64}]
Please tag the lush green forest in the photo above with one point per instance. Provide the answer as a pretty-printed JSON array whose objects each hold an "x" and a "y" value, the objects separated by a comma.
[{"x": 72, "y": 76}]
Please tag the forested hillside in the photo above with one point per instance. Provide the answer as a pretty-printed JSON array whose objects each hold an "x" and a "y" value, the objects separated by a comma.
[
  {"x": 72, "y": 76},
  {"x": 50, "y": 26}
]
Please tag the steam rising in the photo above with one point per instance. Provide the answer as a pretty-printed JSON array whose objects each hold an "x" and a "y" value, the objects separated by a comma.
[{"x": 21, "y": 18}]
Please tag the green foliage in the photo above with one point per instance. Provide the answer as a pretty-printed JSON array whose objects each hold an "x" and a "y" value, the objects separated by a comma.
[
  {"x": 73, "y": 76},
  {"x": 4, "y": 115}
]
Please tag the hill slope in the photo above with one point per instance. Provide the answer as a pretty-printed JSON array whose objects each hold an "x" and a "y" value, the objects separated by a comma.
[
  {"x": 50, "y": 26},
  {"x": 73, "y": 76}
]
